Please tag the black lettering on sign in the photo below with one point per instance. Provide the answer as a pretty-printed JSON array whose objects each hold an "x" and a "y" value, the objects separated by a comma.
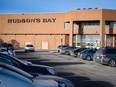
[
  {"x": 49, "y": 20},
  {"x": 38, "y": 20},
  {"x": 9, "y": 20},
  {"x": 44, "y": 20},
  {"x": 35, "y": 20},
  {"x": 53, "y": 19},
  {"x": 23, "y": 21}
]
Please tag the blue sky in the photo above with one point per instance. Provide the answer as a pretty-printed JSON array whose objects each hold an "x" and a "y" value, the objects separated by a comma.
[{"x": 40, "y": 6}]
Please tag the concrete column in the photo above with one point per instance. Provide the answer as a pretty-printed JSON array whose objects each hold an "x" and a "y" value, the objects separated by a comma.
[
  {"x": 71, "y": 34},
  {"x": 114, "y": 41},
  {"x": 102, "y": 32}
]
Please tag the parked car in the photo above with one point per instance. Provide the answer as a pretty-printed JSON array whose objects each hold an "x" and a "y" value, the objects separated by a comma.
[
  {"x": 106, "y": 55},
  {"x": 62, "y": 82},
  {"x": 75, "y": 53},
  {"x": 60, "y": 47},
  {"x": 70, "y": 50},
  {"x": 10, "y": 77},
  {"x": 10, "y": 46},
  {"x": 87, "y": 54},
  {"x": 67, "y": 50},
  {"x": 8, "y": 49},
  {"x": 28, "y": 67},
  {"x": 29, "y": 47}
]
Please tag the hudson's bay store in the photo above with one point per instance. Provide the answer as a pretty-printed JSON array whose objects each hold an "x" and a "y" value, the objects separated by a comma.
[{"x": 86, "y": 27}]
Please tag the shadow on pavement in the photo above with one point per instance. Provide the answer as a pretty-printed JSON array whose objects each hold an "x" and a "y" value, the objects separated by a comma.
[
  {"x": 55, "y": 63},
  {"x": 81, "y": 81}
]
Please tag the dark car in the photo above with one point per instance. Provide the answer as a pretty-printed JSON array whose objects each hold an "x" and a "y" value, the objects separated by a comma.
[
  {"x": 7, "y": 48},
  {"x": 106, "y": 55},
  {"x": 30, "y": 68},
  {"x": 88, "y": 54},
  {"x": 76, "y": 52},
  {"x": 7, "y": 45},
  {"x": 62, "y": 82}
]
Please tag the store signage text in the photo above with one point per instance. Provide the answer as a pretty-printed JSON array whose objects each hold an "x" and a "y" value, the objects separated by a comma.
[{"x": 35, "y": 20}]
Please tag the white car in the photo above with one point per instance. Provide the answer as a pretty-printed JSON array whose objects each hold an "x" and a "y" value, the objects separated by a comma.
[{"x": 29, "y": 47}]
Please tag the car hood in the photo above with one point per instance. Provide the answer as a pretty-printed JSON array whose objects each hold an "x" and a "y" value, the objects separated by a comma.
[
  {"x": 44, "y": 83},
  {"x": 56, "y": 78}
]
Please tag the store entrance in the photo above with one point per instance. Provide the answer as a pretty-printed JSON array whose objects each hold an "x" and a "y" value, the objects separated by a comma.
[{"x": 88, "y": 41}]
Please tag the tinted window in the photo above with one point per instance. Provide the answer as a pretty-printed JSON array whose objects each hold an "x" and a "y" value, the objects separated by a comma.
[
  {"x": 3, "y": 58},
  {"x": 111, "y": 51},
  {"x": 29, "y": 45}
]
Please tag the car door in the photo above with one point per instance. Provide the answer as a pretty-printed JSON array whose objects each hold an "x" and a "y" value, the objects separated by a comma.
[{"x": 0, "y": 83}]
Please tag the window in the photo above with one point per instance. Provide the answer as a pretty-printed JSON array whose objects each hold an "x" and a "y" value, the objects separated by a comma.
[
  {"x": 90, "y": 25},
  {"x": 112, "y": 24},
  {"x": 76, "y": 26},
  {"x": 67, "y": 25}
]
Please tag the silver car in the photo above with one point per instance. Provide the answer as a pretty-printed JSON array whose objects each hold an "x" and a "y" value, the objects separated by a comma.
[
  {"x": 60, "y": 47},
  {"x": 9, "y": 78}
]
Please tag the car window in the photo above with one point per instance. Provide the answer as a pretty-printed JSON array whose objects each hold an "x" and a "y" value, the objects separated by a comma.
[
  {"x": 29, "y": 45},
  {"x": 99, "y": 51},
  {"x": 111, "y": 51},
  {"x": 8, "y": 60},
  {"x": 4, "y": 60}
]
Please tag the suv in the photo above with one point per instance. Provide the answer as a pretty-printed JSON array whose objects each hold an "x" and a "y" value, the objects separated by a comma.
[{"x": 106, "y": 55}]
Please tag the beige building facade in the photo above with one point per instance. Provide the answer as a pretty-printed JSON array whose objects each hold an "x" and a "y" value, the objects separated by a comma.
[{"x": 81, "y": 28}]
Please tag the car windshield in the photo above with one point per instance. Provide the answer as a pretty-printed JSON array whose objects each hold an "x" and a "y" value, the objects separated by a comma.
[
  {"x": 14, "y": 58},
  {"x": 29, "y": 45},
  {"x": 24, "y": 62}
]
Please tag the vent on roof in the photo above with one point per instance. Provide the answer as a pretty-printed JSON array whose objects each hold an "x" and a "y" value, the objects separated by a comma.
[
  {"x": 89, "y": 8},
  {"x": 86, "y": 8},
  {"x": 78, "y": 9},
  {"x": 95, "y": 8}
]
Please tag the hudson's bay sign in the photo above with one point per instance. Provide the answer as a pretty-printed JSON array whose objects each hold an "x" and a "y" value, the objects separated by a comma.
[{"x": 35, "y": 20}]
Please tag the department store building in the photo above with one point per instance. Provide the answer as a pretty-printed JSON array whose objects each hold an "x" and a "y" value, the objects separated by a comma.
[{"x": 81, "y": 28}]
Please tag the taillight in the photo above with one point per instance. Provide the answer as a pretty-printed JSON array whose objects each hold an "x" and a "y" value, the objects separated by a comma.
[
  {"x": 102, "y": 55},
  {"x": 81, "y": 52}
]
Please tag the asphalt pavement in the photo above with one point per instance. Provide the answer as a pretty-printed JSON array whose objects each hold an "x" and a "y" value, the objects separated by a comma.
[{"x": 81, "y": 72}]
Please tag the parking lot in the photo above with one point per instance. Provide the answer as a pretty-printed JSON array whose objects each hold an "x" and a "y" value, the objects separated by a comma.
[{"x": 81, "y": 72}]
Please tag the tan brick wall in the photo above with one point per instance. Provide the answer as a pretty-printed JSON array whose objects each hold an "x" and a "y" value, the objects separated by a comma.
[{"x": 53, "y": 30}]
